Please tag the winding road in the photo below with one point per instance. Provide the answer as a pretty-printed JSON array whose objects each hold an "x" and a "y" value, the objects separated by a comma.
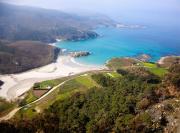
[{"x": 14, "y": 111}]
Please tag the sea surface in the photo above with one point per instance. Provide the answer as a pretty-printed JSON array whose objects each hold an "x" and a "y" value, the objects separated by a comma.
[{"x": 127, "y": 42}]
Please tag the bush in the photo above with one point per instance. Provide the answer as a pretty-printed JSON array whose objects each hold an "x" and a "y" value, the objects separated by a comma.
[
  {"x": 143, "y": 104},
  {"x": 105, "y": 81}
]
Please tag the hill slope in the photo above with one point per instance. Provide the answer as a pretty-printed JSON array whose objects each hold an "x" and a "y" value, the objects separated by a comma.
[
  {"x": 19, "y": 23},
  {"x": 24, "y": 55},
  {"x": 28, "y": 23}
]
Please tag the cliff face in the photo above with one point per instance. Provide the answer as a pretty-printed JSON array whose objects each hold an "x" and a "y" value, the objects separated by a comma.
[
  {"x": 24, "y": 55},
  {"x": 19, "y": 23}
]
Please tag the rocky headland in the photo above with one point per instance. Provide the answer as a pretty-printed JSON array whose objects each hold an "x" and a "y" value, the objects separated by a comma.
[
  {"x": 168, "y": 61},
  {"x": 144, "y": 57},
  {"x": 25, "y": 55}
]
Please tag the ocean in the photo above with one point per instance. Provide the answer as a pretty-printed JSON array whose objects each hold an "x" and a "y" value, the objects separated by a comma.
[{"x": 155, "y": 41}]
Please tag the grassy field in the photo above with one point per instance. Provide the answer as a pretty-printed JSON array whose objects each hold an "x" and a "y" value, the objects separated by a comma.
[
  {"x": 113, "y": 74},
  {"x": 5, "y": 107},
  {"x": 152, "y": 67},
  {"x": 80, "y": 83},
  {"x": 119, "y": 63},
  {"x": 45, "y": 84}
]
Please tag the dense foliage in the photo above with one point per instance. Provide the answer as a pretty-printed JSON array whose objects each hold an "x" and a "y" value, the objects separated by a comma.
[
  {"x": 5, "y": 106},
  {"x": 117, "y": 105},
  {"x": 174, "y": 76}
]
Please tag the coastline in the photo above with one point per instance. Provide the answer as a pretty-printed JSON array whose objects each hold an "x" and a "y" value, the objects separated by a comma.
[
  {"x": 54, "y": 44},
  {"x": 17, "y": 84},
  {"x": 162, "y": 59}
]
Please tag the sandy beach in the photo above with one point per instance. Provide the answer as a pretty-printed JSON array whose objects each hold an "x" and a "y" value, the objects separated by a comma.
[{"x": 17, "y": 84}]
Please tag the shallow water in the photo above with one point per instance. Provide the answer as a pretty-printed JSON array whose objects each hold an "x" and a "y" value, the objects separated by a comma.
[{"x": 114, "y": 42}]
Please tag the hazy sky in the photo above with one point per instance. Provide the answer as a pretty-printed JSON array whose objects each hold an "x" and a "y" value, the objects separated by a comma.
[
  {"x": 119, "y": 9},
  {"x": 99, "y": 5}
]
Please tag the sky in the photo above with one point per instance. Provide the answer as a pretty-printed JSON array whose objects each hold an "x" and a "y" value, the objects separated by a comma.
[{"x": 124, "y": 10}]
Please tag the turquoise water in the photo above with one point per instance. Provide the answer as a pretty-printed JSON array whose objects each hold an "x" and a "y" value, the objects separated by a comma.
[{"x": 114, "y": 42}]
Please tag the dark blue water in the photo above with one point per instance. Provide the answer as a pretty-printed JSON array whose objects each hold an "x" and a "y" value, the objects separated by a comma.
[{"x": 154, "y": 41}]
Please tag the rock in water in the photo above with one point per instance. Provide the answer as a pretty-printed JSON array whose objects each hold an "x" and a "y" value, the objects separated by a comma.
[
  {"x": 79, "y": 54},
  {"x": 144, "y": 57}
]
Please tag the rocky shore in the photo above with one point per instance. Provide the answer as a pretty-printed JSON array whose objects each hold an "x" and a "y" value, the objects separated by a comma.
[
  {"x": 144, "y": 57},
  {"x": 79, "y": 54},
  {"x": 82, "y": 35}
]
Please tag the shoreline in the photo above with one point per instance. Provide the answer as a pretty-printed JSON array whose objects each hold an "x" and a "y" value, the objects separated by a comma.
[
  {"x": 16, "y": 85},
  {"x": 54, "y": 44}
]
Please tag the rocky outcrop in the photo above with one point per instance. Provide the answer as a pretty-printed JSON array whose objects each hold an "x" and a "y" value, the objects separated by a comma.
[
  {"x": 119, "y": 63},
  {"x": 169, "y": 61},
  {"x": 1, "y": 83},
  {"x": 144, "y": 57},
  {"x": 79, "y": 54},
  {"x": 82, "y": 36},
  {"x": 25, "y": 55}
]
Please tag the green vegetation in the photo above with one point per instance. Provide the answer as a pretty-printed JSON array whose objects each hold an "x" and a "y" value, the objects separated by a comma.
[
  {"x": 5, "y": 107},
  {"x": 87, "y": 107},
  {"x": 30, "y": 97},
  {"x": 85, "y": 80},
  {"x": 26, "y": 112},
  {"x": 158, "y": 71},
  {"x": 113, "y": 74},
  {"x": 149, "y": 65},
  {"x": 173, "y": 78},
  {"x": 104, "y": 103},
  {"x": 152, "y": 67},
  {"x": 124, "y": 63},
  {"x": 119, "y": 63},
  {"x": 46, "y": 84},
  {"x": 78, "y": 84}
]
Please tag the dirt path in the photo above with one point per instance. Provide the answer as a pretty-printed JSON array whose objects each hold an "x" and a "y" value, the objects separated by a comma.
[
  {"x": 10, "y": 115},
  {"x": 14, "y": 111}
]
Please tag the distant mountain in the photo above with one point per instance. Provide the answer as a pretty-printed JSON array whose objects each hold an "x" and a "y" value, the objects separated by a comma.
[
  {"x": 19, "y": 23},
  {"x": 28, "y": 23}
]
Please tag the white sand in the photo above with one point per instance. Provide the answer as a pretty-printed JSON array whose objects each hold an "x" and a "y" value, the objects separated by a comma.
[{"x": 17, "y": 84}]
